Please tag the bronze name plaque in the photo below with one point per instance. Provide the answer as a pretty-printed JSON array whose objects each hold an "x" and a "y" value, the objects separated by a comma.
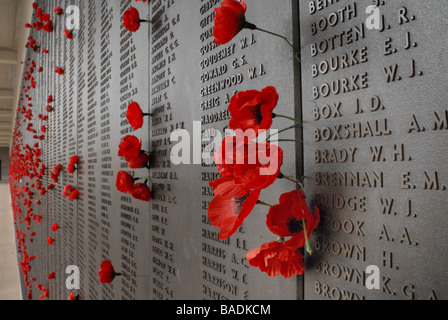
[
  {"x": 370, "y": 90},
  {"x": 375, "y": 143}
]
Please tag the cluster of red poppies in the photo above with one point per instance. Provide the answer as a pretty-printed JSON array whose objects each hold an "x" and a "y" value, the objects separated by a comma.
[
  {"x": 43, "y": 21},
  {"x": 28, "y": 75},
  {"x": 247, "y": 167},
  {"x": 32, "y": 44},
  {"x": 131, "y": 149},
  {"x": 243, "y": 165},
  {"x": 26, "y": 168}
]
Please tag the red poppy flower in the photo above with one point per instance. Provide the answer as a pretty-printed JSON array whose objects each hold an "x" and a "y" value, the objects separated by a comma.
[
  {"x": 45, "y": 17},
  {"x": 131, "y": 19},
  {"x": 135, "y": 115},
  {"x": 140, "y": 162},
  {"x": 275, "y": 258},
  {"x": 124, "y": 182},
  {"x": 230, "y": 207},
  {"x": 48, "y": 27},
  {"x": 59, "y": 71},
  {"x": 70, "y": 192},
  {"x": 51, "y": 275},
  {"x": 54, "y": 177},
  {"x": 57, "y": 169},
  {"x": 74, "y": 195},
  {"x": 58, "y": 11},
  {"x": 68, "y": 34},
  {"x": 54, "y": 227},
  {"x": 230, "y": 19},
  {"x": 72, "y": 296},
  {"x": 251, "y": 165},
  {"x": 50, "y": 241},
  {"x": 252, "y": 110},
  {"x": 107, "y": 272},
  {"x": 55, "y": 172},
  {"x": 140, "y": 191},
  {"x": 71, "y": 164},
  {"x": 130, "y": 148},
  {"x": 286, "y": 219},
  {"x": 44, "y": 294}
]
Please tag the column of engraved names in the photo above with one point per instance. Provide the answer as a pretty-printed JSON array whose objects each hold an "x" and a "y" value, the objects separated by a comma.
[
  {"x": 163, "y": 59},
  {"x": 356, "y": 147},
  {"x": 405, "y": 64},
  {"x": 133, "y": 221},
  {"x": 81, "y": 38},
  {"x": 60, "y": 113},
  {"x": 88, "y": 152},
  {"x": 225, "y": 70},
  {"x": 91, "y": 155},
  {"x": 69, "y": 221},
  {"x": 340, "y": 68},
  {"x": 54, "y": 87},
  {"x": 128, "y": 237},
  {"x": 67, "y": 141},
  {"x": 107, "y": 174},
  {"x": 46, "y": 199}
]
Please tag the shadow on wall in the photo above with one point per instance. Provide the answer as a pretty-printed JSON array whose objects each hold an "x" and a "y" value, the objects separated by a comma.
[{"x": 4, "y": 164}]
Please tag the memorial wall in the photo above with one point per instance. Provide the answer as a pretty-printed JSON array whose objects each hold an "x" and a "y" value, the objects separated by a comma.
[{"x": 369, "y": 89}]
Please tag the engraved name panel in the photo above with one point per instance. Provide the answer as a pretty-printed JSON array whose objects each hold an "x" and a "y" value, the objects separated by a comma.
[{"x": 375, "y": 132}]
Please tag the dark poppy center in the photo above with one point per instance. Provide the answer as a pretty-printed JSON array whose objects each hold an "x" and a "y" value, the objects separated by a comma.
[
  {"x": 294, "y": 225},
  {"x": 256, "y": 114},
  {"x": 238, "y": 204}
]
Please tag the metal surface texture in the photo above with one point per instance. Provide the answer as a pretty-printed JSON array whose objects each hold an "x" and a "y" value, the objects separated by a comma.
[
  {"x": 375, "y": 144},
  {"x": 373, "y": 153},
  {"x": 168, "y": 248}
]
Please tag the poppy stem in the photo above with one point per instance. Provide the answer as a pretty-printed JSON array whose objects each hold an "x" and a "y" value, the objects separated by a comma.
[
  {"x": 283, "y": 130},
  {"x": 146, "y": 21},
  {"x": 276, "y": 115},
  {"x": 148, "y": 177},
  {"x": 264, "y": 203},
  {"x": 296, "y": 52},
  {"x": 288, "y": 140},
  {"x": 307, "y": 240},
  {"x": 127, "y": 275},
  {"x": 299, "y": 183},
  {"x": 147, "y": 114}
]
